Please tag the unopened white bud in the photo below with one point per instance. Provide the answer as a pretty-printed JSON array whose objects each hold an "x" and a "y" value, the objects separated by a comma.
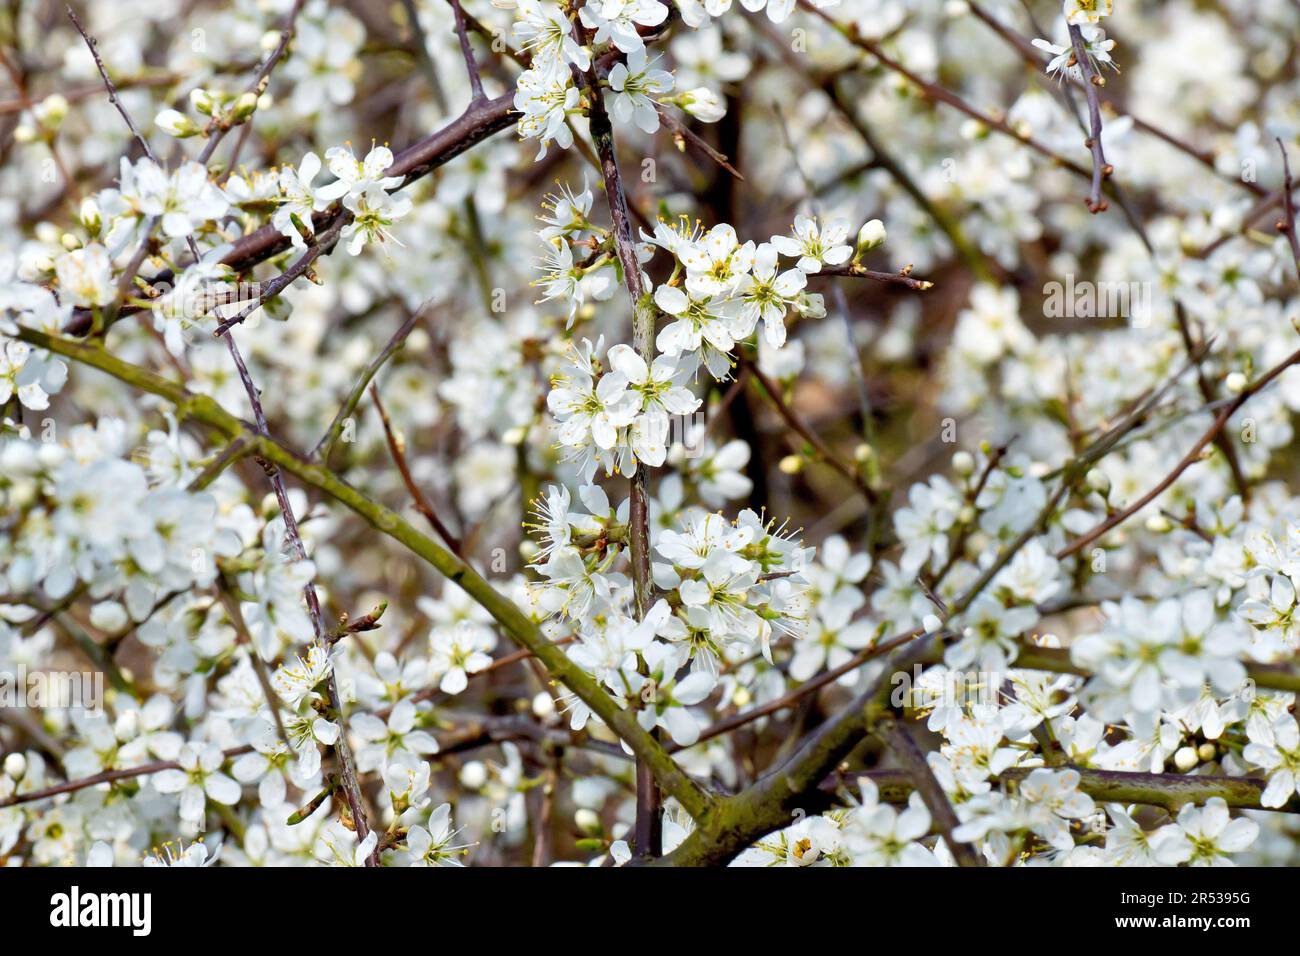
[
  {"x": 108, "y": 616},
  {"x": 473, "y": 775},
  {"x": 176, "y": 123},
  {"x": 15, "y": 765},
  {"x": 52, "y": 111},
  {"x": 203, "y": 101},
  {"x": 963, "y": 463},
  {"x": 588, "y": 820},
  {"x": 1235, "y": 383},
  {"x": 704, "y": 104},
  {"x": 1186, "y": 759},
  {"x": 1098, "y": 481},
  {"x": 870, "y": 235},
  {"x": 90, "y": 215},
  {"x": 1158, "y": 524},
  {"x": 244, "y": 107}
]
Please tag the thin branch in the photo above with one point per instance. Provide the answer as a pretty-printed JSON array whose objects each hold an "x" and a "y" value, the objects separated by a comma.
[
  {"x": 648, "y": 829},
  {"x": 347, "y": 769},
  {"x": 1092, "y": 79},
  {"x": 903, "y": 746},
  {"x": 796, "y": 425},
  {"x": 321, "y": 244},
  {"x": 108, "y": 776},
  {"x": 1171, "y": 791},
  {"x": 325, "y": 447},
  {"x": 1287, "y": 226},
  {"x": 855, "y": 270},
  {"x": 113, "y": 98},
  {"x": 471, "y": 67},
  {"x": 422, "y": 504}
]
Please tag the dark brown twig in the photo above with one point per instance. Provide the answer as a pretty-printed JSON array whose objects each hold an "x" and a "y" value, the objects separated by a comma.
[
  {"x": 903, "y": 746},
  {"x": 1092, "y": 79},
  {"x": 418, "y": 498},
  {"x": 471, "y": 66},
  {"x": 1287, "y": 226},
  {"x": 113, "y": 98}
]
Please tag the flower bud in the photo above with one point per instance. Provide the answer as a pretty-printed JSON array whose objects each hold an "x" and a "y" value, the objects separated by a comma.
[
  {"x": 588, "y": 821},
  {"x": 870, "y": 235},
  {"x": 51, "y": 111},
  {"x": 203, "y": 101},
  {"x": 543, "y": 705},
  {"x": 704, "y": 104},
  {"x": 1186, "y": 759},
  {"x": 15, "y": 765},
  {"x": 69, "y": 241},
  {"x": 176, "y": 123},
  {"x": 1158, "y": 524},
  {"x": 109, "y": 616},
  {"x": 90, "y": 215},
  {"x": 1235, "y": 383},
  {"x": 24, "y": 133},
  {"x": 473, "y": 775},
  {"x": 244, "y": 107},
  {"x": 1098, "y": 481},
  {"x": 963, "y": 463},
  {"x": 791, "y": 465},
  {"x": 1207, "y": 752}
]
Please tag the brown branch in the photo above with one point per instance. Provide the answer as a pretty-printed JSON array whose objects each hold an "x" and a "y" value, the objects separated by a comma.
[
  {"x": 320, "y": 244},
  {"x": 903, "y": 746},
  {"x": 471, "y": 67},
  {"x": 1092, "y": 79},
  {"x": 108, "y": 776},
  {"x": 856, "y": 270},
  {"x": 477, "y": 123},
  {"x": 113, "y": 98},
  {"x": 940, "y": 94},
  {"x": 796, "y": 425},
  {"x": 347, "y": 769},
  {"x": 648, "y": 829},
  {"x": 1287, "y": 226},
  {"x": 421, "y": 502}
]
